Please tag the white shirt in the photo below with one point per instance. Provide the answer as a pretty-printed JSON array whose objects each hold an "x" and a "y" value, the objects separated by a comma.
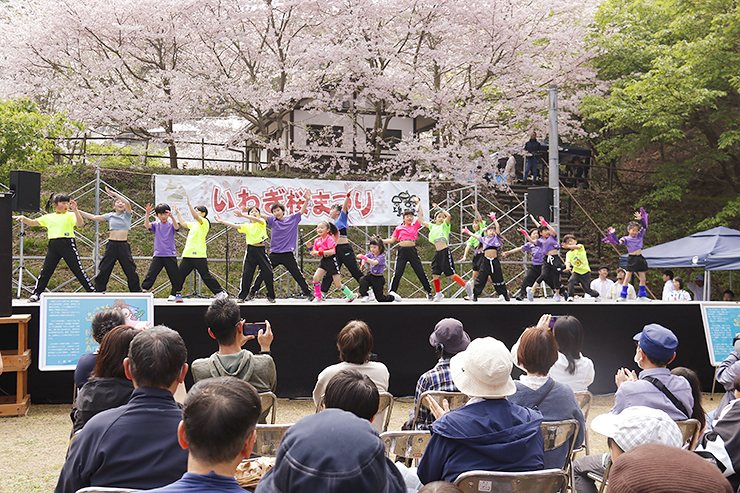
[
  {"x": 680, "y": 295},
  {"x": 616, "y": 290},
  {"x": 601, "y": 286},
  {"x": 580, "y": 379},
  {"x": 668, "y": 288}
]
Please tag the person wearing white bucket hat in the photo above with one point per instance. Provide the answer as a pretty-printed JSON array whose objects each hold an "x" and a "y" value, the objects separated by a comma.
[{"x": 489, "y": 433}]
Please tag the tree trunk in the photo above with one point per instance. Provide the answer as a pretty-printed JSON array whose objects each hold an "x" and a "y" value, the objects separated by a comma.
[{"x": 173, "y": 154}]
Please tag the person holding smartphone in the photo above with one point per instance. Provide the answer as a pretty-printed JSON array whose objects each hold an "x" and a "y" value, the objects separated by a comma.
[{"x": 226, "y": 325}]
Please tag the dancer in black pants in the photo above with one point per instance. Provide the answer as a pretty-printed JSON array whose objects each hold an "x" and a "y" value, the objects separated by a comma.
[
  {"x": 375, "y": 279},
  {"x": 552, "y": 265},
  {"x": 60, "y": 230},
  {"x": 345, "y": 254},
  {"x": 165, "y": 252},
  {"x": 490, "y": 265},
  {"x": 118, "y": 248}
]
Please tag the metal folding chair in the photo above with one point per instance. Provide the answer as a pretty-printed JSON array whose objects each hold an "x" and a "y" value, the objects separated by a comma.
[
  {"x": 546, "y": 481},
  {"x": 691, "y": 431},
  {"x": 584, "y": 402},
  {"x": 604, "y": 481},
  {"x": 382, "y": 417},
  {"x": 410, "y": 445},
  {"x": 560, "y": 434},
  {"x": 269, "y": 407},
  {"x": 269, "y": 438},
  {"x": 455, "y": 399}
]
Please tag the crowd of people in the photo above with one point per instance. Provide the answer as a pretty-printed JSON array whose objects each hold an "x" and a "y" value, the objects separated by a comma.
[{"x": 129, "y": 430}]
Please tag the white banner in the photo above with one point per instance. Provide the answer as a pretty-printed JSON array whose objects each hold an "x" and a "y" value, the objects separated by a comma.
[{"x": 371, "y": 203}]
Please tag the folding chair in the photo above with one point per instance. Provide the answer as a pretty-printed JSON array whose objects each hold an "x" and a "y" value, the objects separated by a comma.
[
  {"x": 455, "y": 399},
  {"x": 603, "y": 480},
  {"x": 691, "y": 430},
  {"x": 382, "y": 417},
  {"x": 557, "y": 434},
  {"x": 546, "y": 481},
  {"x": 409, "y": 445},
  {"x": 269, "y": 406},
  {"x": 269, "y": 438},
  {"x": 584, "y": 402}
]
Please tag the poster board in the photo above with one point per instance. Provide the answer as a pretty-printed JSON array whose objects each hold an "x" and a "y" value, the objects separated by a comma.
[
  {"x": 721, "y": 323},
  {"x": 64, "y": 323}
]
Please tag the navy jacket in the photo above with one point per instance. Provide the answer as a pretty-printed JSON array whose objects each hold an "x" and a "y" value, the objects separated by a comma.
[
  {"x": 133, "y": 446},
  {"x": 491, "y": 435}
]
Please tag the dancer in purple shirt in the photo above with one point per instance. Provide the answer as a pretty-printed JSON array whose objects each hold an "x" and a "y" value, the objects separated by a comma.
[{"x": 635, "y": 261}]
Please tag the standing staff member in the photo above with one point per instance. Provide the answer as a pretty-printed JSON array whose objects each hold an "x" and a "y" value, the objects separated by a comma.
[
  {"x": 60, "y": 227},
  {"x": 118, "y": 248}
]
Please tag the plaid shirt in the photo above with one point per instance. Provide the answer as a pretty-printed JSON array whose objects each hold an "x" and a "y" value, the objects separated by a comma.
[{"x": 438, "y": 378}]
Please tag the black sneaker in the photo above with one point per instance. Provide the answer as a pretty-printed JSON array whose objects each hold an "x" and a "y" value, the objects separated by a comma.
[
  {"x": 249, "y": 297},
  {"x": 430, "y": 296},
  {"x": 33, "y": 298}
]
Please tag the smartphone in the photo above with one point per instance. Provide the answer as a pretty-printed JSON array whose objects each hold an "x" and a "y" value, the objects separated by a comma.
[
  {"x": 251, "y": 329},
  {"x": 552, "y": 322}
]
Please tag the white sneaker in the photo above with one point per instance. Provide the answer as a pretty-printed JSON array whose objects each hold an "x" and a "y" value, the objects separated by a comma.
[
  {"x": 222, "y": 295},
  {"x": 556, "y": 298},
  {"x": 621, "y": 299},
  {"x": 318, "y": 300},
  {"x": 171, "y": 298},
  {"x": 439, "y": 296},
  {"x": 395, "y": 296},
  {"x": 365, "y": 299},
  {"x": 371, "y": 296},
  {"x": 644, "y": 299}
]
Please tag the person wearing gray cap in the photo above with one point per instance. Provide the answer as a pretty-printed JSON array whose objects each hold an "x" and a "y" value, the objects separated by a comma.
[{"x": 448, "y": 339}]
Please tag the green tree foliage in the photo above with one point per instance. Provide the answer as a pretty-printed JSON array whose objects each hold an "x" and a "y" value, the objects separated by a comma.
[
  {"x": 673, "y": 67},
  {"x": 27, "y": 136}
]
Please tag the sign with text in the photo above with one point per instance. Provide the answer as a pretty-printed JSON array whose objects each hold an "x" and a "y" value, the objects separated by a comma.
[
  {"x": 371, "y": 203},
  {"x": 721, "y": 323},
  {"x": 65, "y": 319}
]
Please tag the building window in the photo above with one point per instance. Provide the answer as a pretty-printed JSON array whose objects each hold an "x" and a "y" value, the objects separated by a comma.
[{"x": 324, "y": 135}]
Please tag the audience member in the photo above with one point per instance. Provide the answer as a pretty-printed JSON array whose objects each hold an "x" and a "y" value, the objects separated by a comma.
[
  {"x": 135, "y": 445},
  {"x": 727, "y": 372},
  {"x": 355, "y": 341},
  {"x": 602, "y": 283},
  {"x": 656, "y": 468},
  {"x": 536, "y": 353},
  {"x": 697, "y": 288},
  {"x": 728, "y": 295},
  {"x": 218, "y": 431},
  {"x": 678, "y": 293},
  {"x": 352, "y": 391},
  {"x": 616, "y": 288},
  {"x": 108, "y": 386},
  {"x": 101, "y": 323},
  {"x": 572, "y": 368},
  {"x": 697, "y": 412},
  {"x": 448, "y": 339},
  {"x": 489, "y": 432},
  {"x": 333, "y": 451},
  {"x": 225, "y": 325},
  {"x": 668, "y": 287},
  {"x": 635, "y": 426},
  {"x": 440, "y": 487}
]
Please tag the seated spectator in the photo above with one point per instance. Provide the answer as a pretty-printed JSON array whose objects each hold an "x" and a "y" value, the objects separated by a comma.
[
  {"x": 616, "y": 288},
  {"x": 135, "y": 445},
  {"x": 656, "y": 468},
  {"x": 489, "y": 433},
  {"x": 537, "y": 352},
  {"x": 352, "y": 391},
  {"x": 448, "y": 339},
  {"x": 678, "y": 293},
  {"x": 572, "y": 368},
  {"x": 355, "y": 341},
  {"x": 108, "y": 386},
  {"x": 697, "y": 412},
  {"x": 333, "y": 451},
  {"x": 602, "y": 283},
  {"x": 440, "y": 487},
  {"x": 728, "y": 295},
  {"x": 225, "y": 325},
  {"x": 218, "y": 430},
  {"x": 101, "y": 323},
  {"x": 727, "y": 372}
]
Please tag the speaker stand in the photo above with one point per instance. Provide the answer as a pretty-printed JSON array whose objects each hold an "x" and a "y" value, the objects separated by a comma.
[{"x": 21, "y": 267}]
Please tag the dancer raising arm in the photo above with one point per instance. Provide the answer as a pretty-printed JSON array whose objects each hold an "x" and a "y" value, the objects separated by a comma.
[
  {"x": 635, "y": 261},
  {"x": 532, "y": 245},
  {"x": 491, "y": 266},
  {"x": 165, "y": 250},
  {"x": 325, "y": 247},
  {"x": 345, "y": 253},
  {"x": 478, "y": 226},
  {"x": 553, "y": 264},
  {"x": 439, "y": 235}
]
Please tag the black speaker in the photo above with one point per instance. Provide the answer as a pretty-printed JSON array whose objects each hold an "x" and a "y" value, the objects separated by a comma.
[
  {"x": 6, "y": 255},
  {"x": 26, "y": 187},
  {"x": 540, "y": 201}
]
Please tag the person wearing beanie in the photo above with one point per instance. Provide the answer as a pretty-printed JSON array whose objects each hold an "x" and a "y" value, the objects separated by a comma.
[
  {"x": 489, "y": 432},
  {"x": 657, "y": 468},
  {"x": 448, "y": 339}
]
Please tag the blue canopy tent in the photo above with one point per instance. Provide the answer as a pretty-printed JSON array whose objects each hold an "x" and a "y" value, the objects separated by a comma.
[{"x": 714, "y": 249}]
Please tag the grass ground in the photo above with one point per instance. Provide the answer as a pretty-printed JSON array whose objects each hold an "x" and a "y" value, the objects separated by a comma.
[{"x": 33, "y": 447}]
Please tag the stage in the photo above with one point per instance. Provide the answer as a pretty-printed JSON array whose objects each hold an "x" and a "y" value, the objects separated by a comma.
[{"x": 305, "y": 336}]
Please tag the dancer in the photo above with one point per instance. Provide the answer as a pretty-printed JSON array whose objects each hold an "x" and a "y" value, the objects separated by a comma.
[
  {"x": 194, "y": 255},
  {"x": 635, "y": 261},
  {"x": 439, "y": 235},
  {"x": 553, "y": 264},
  {"x": 255, "y": 255},
  {"x": 532, "y": 245},
  {"x": 345, "y": 253},
  {"x": 406, "y": 235},
  {"x": 478, "y": 226},
  {"x": 283, "y": 240},
  {"x": 376, "y": 258},
  {"x": 165, "y": 250},
  {"x": 325, "y": 247},
  {"x": 576, "y": 262},
  {"x": 491, "y": 266},
  {"x": 118, "y": 248},
  {"x": 60, "y": 226}
]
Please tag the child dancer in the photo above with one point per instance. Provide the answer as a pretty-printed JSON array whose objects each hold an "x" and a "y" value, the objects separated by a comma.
[
  {"x": 406, "y": 235},
  {"x": 490, "y": 267},
  {"x": 60, "y": 230},
  {"x": 165, "y": 251},
  {"x": 376, "y": 259},
  {"x": 256, "y": 231},
  {"x": 325, "y": 247},
  {"x": 478, "y": 226},
  {"x": 345, "y": 253},
  {"x": 194, "y": 254},
  {"x": 118, "y": 249},
  {"x": 535, "y": 269},
  {"x": 635, "y": 261},
  {"x": 439, "y": 234},
  {"x": 576, "y": 261},
  {"x": 553, "y": 264}
]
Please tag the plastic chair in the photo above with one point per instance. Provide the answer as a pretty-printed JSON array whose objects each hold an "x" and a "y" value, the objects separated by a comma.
[
  {"x": 691, "y": 430},
  {"x": 382, "y": 417},
  {"x": 269, "y": 407},
  {"x": 410, "y": 445},
  {"x": 455, "y": 399},
  {"x": 546, "y": 481},
  {"x": 104, "y": 489},
  {"x": 584, "y": 402},
  {"x": 269, "y": 438},
  {"x": 557, "y": 434}
]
